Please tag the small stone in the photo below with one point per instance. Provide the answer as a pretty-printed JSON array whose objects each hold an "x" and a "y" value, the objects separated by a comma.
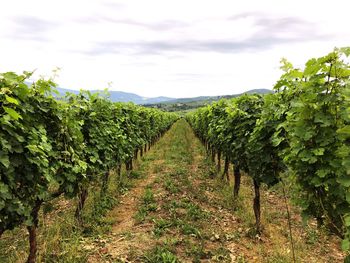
[
  {"x": 88, "y": 247},
  {"x": 258, "y": 237}
]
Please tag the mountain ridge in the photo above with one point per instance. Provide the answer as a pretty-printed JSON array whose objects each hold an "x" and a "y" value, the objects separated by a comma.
[{"x": 122, "y": 96}]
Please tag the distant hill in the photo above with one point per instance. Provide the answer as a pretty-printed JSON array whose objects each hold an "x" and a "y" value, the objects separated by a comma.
[
  {"x": 259, "y": 91},
  {"x": 121, "y": 96},
  {"x": 215, "y": 98},
  {"x": 186, "y": 104}
]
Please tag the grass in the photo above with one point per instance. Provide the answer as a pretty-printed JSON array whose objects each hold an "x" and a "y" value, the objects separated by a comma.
[
  {"x": 161, "y": 254},
  {"x": 160, "y": 226},
  {"x": 170, "y": 186},
  {"x": 148, "y": 205}
]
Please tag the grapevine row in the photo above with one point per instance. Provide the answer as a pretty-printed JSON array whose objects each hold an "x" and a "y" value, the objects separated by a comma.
[
  {"x": 52, "y": 147},
  {"x": 300, "y": 133}
]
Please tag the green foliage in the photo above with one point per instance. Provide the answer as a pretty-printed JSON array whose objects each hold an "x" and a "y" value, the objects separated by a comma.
[
  {"x": 148, "y": 205},
  {"x": 148, "y": 197},
  {"x": 301, "y": 129},
  {"x": 315, "y": 126},
  {"x": 160, "y": 254},
  {"x": 39, "y": 147},
  {"x": 50, "y": 147},
  {"x": 227, "y": 124}
]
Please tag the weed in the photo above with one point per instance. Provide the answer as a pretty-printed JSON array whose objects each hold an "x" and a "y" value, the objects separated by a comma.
[
  {"x": 194, "y": 212},
  {"x": 197, "y": 252},
  {"x": 148, "y": 205},
  {"x": 148, "y": 197},
  {"x": 160, "y": 254},
  {"x": 160, "y": 226},
  {"x": 170, "y": 186},
  {"x": 188, "y": 229}
]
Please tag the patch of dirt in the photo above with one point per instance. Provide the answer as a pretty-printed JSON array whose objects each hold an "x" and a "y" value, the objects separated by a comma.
[{"x": 126, "y": 235}]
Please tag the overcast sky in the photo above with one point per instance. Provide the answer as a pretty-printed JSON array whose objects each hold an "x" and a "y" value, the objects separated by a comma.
[{"x": 174, "y": 48}]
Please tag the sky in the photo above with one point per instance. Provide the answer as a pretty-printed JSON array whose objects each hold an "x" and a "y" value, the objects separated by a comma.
[{"x": 181, "y": 48}]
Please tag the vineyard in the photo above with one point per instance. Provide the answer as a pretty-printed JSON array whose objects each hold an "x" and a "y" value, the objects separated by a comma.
[
  {"x": 51, "y": 148},
  {"x": 249, "y": 179}
]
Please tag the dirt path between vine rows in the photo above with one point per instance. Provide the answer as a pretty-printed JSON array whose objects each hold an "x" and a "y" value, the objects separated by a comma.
[
  {"x": 126, "y": 234},
  {"x": 119, "y": 243}
]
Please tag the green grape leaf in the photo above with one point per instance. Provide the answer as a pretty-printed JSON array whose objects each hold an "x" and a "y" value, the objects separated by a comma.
[
  {"x": 11, "y": 100},
  {"x": 15, "y": 115},
  {"x": 4, "y": 160}
]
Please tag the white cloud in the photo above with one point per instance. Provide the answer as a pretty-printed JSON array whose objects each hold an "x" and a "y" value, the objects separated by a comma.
[{"x": 173, "y": 48}]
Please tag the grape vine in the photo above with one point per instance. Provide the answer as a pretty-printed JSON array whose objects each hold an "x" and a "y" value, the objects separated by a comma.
[
  {"x": 52, "y": 147},
  {"x": 301, "y": 131}
]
